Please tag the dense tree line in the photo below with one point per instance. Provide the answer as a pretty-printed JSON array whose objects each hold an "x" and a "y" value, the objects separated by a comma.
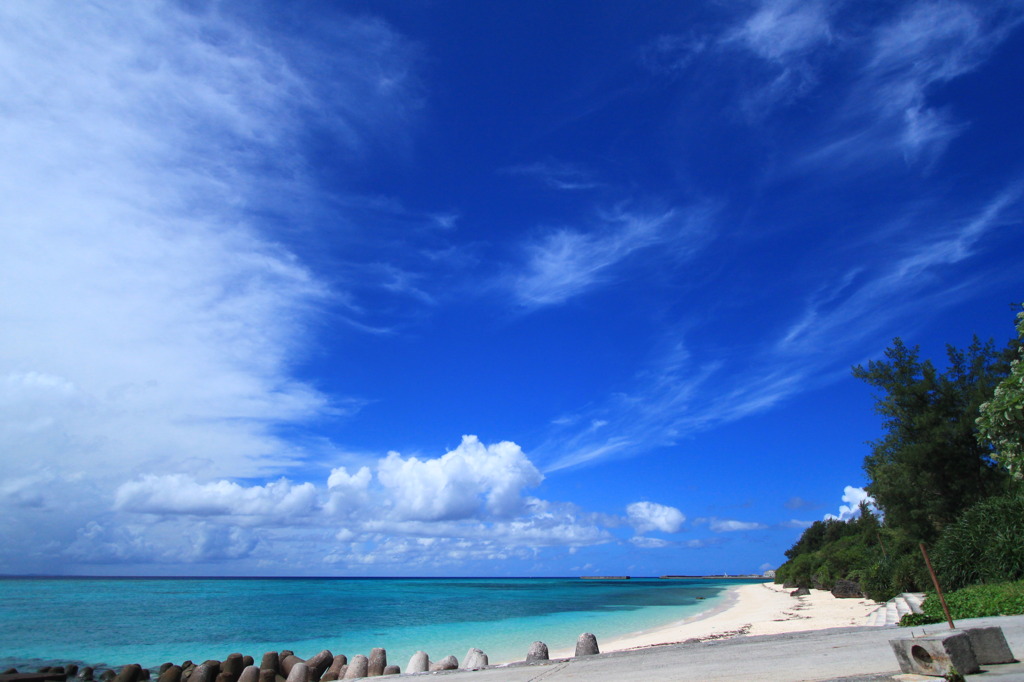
[{"x": 947, "y": 472}]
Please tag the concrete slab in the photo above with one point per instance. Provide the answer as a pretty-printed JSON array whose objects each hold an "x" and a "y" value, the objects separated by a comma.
[
  {"x": 859, "y": 653},
  {"x": 936, "y": 655}
]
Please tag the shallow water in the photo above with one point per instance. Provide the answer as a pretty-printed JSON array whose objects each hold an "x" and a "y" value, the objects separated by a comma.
[{"x": 100, "y": 621}]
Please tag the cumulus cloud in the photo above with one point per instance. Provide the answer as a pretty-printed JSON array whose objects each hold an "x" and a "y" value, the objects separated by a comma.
[
  {"x": 648, "y": 516},
  {"x": 468, "y": 504},
  {"x": 471, "y": 479},
  {"x": 853, "y": 497}
]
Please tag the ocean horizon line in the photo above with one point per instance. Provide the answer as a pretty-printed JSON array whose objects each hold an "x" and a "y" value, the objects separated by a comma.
[{"x": 49, "y": 576}]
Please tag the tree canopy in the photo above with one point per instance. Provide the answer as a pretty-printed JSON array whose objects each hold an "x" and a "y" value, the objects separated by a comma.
[
  {"x": 939, "y": 472},
  {"x": 930, "y": 465},
  {"x": 1002, "y": 418}
]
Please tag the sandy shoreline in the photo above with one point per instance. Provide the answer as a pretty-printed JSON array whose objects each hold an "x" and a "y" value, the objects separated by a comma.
[{"x": 755, "y": 609}]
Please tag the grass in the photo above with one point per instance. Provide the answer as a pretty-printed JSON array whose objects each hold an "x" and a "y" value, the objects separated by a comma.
[{"x": 977, "y": 601}]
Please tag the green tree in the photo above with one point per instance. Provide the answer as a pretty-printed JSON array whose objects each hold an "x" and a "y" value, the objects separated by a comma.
[
  {"x": 1002, "y": 418},
  {"x": 929, "y": 466}
]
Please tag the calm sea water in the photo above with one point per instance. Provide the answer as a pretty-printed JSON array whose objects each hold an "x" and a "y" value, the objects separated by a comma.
[{"x": 99, "y": 621}]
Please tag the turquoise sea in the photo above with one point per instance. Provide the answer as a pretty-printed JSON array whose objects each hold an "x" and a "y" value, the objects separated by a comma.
[{"x": 115, "y": 621}]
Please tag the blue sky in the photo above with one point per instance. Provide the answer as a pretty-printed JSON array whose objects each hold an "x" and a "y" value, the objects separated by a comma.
[{"x": 477, "y": 288}]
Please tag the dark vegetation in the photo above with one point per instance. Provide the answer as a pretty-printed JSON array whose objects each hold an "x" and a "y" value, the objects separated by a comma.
[{"x": 945, "y": 473}]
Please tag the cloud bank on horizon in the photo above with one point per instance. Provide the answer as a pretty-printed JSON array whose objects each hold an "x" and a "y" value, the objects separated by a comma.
[{"x": 248, "y": 259}]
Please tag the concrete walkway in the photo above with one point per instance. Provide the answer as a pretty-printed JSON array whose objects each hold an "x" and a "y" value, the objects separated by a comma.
[{"x": 859, "y": 653}]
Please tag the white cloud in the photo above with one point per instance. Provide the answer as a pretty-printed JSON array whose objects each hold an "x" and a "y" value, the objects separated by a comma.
[
  {"x": 151, "y": 322},
  {"x": 785, "y": 35},
  {"x": 133, "y": 279},
  {"x": 671, "y": 399},
  {"x": 182, "y": 494},
  {"x": 464, "y": 482},
  {"x": 729, "y": 525},
  {"x": 649, "y": 543},
  {"x": 853, "y": 497},
  {"x": 467, "y": 505},
  {"x": 566, "y": 262},
  {"x": 348, "y": 494},
  {"x": 928, "y": 44},
  {"x": 902, "y": 62},
  {"x": 780, "y": 29},
  {"x": 648, "y": 516},
  {"x": 864, "y": 301}
]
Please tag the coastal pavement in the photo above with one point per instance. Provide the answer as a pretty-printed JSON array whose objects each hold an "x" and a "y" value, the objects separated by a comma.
[{"x": 851, "y": 654}]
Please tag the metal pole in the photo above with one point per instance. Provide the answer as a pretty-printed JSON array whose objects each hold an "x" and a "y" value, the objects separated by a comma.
[{"x": 935, "y": 581}]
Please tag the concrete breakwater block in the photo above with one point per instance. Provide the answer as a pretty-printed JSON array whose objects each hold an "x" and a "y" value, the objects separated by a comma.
[
  {"x": 357, "y": 667},
  {"x": 419, "y": 663},
  {"x": 319, "y": 664},
  {"x": 449, "y": 662},
  {"x": 586, "y": 645},
  {"x": 538, "y": 652},
  {"x": 129, "y": 673},
  {"x": 170, "y": 674},
  {"x": 288, "y": 662},
  {"x": 392, "y": 670},
  {"x": 270, "y": 661},
  {"x": 299, "y": 673},
  {"x": 250, "y": 673},
  {"x": 204, "y": 673},
  {"x": 377, "y": 662},
  {"x": 337, "y": 669},
  {"x": 474, "y": 660},
  {"x": 231, "y": 667}
]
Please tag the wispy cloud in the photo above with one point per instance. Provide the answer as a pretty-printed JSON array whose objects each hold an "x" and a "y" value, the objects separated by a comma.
[
  {"x": 780, "y": 30},
  {"x": 892, "y": 66},
  {"x": 866, "y": 301},
  {"x": 151, "y": 320},
  {"x": 718, "y": 525},
  {"x": 683, "y": 394},
  {"x": 557, "y": 174},
  {"x": 901, "y": 63},
  {"x": 785, "y": 35},
  {"x": 568, "y": 262}
]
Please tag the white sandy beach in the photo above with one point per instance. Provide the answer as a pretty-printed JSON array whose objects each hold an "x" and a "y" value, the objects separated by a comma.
[{"x": 755, "y": 609}]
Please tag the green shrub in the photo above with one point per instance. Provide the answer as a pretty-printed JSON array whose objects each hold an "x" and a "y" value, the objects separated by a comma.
[
  {"x": 984, "y": 545},
  {"x": 978, "y": 601}
]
